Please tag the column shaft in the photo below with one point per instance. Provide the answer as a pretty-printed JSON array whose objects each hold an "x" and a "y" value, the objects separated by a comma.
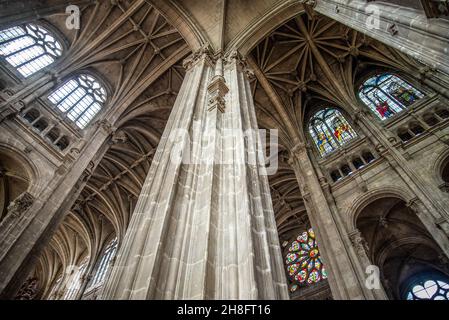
[{"x": 204, "y": 227}]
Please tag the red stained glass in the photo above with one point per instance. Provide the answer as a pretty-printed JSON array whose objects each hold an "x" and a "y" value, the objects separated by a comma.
[{"x": 303, "y": 260}]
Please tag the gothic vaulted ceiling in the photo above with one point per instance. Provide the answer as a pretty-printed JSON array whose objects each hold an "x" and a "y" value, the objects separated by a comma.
[{"x": 297, "y": 59}]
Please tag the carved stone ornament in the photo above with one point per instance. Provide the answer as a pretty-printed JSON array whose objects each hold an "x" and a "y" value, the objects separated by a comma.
[
  {"x": 359, "y": 243},
  {"x": 235, "y": 57},
  {"x": 217, "y": 90},
  {"x": 204, "y": 52},
  {"x": 298, "y": 149},
  {"x": 28, "y": 290},
  {"x": 106, "y": 126},
  {"x": 119, "y": 137},
  {"x": 21, "y": 204}
]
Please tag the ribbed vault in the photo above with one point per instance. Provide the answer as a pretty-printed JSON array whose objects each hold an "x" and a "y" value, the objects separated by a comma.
[
  {"x": 309, "y": 60},
  {"x": 138, "y": 53}
]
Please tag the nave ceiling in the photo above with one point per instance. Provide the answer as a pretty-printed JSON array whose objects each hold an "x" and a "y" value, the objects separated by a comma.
[{"x": 298, "y": 63}]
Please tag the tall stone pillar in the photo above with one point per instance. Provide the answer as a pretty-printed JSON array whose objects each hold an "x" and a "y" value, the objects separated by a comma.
[
  {"x": 361, "y": 248},
  {"x": 204, "y": 227},
  {"x": 404, "y": 28},
  {"x": 341, "y": 263}
]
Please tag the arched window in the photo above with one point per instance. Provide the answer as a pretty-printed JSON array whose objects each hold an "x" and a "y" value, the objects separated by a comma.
[
  {"x": 79, "y": 99},
  {"x": 303, "y": 260},
  {"x": 29, "y": 48},
  {"x": 386, "y": 94},
  {"x": 104, "y": 264},
  {"x": 329, "y": 130},
  {"x": 430, "y": 289}
]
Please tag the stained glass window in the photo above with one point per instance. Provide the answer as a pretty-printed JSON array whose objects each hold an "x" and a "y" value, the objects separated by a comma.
[
  {"x": 29, "y": 48},
  {"x": 429, "y": 290},
  {"x": 303, "y": 260},
  {"x": 80, "y": 99},
  {"x": 330, "y": 130},
  {"x": 387, "y": 94}
]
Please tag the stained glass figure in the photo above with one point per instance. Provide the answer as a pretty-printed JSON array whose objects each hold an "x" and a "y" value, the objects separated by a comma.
[
  {"x": 80, "y": 99},
  {"x": 429, "y": 290},
  {"x": 386, "y": 94},
  {"x": 303, "y": 260},
  {"x": 29, "y": 48},
  {"x": 329, "y": 130}
]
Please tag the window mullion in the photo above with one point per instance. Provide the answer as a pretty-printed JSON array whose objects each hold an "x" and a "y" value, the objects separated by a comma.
[
  {"x": 21, "y": 50},
  {"x": 84, "y": 112},
  {"x": 66, "y": 96},
  {"x": 397, "y": 102},
  {"x": 27, "y": 62},
  {"x": 76, "y": 103}
]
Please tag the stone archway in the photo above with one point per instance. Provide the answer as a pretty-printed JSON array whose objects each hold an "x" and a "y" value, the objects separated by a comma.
[{"x": 399, "y": 244}]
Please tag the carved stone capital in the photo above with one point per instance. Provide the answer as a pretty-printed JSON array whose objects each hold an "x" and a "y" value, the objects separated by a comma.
[
  {"x": 359, "y": 243},
  {"x": 311, "y": 3},
  {"x": 106, "y": 126},
  {"x": 234, "y": 57},
  {"x": 28, "y": 290},
  {"x": 21, "y": 204},
  {"x": 299, "y": 149},
  {"x": 205, "y": 52},
  {"x": 414, "y": 204},
  {"x": 360, "y": 115},
  {"x": 309, "y": 6},
  {"x": 8, "y": 113},
  {"x": 19, "y": 106}
]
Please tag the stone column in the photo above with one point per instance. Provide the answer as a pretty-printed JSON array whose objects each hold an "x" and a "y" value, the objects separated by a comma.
[
  {"x": 332, "y": 240},
  {"x": 204, "y": 228},
  {"x": 404, "y": 28},
  {"x": 361, "y": 248},
  {"x": 31, "y": 221}
]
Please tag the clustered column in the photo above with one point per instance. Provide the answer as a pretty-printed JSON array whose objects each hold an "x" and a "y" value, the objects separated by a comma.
[{"x": 204, "y": 227}]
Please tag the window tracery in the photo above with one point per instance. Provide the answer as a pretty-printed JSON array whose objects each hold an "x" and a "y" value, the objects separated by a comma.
[
  {"x": 430, "y": 289},
  {"x": 330, "y": 130},
  {"x": 303, "y": 261},
  {"x": 79, "y": 99},
  {"x": 386, "y": 95},
  {"x": 29, "y": 48}
]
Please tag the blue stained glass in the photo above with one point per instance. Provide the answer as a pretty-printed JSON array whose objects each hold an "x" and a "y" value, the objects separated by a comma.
[
  {"x": 307, "y": 267},
  {"x": 330, "y": 130},
  {"x": 387, "y": 94}
]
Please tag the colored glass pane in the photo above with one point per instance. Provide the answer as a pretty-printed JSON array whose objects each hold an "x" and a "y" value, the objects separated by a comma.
[
  {"x": 304, "y": 265},
  {"x": 387, "y": 94},
  {"x": 330, "y": 130}
]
